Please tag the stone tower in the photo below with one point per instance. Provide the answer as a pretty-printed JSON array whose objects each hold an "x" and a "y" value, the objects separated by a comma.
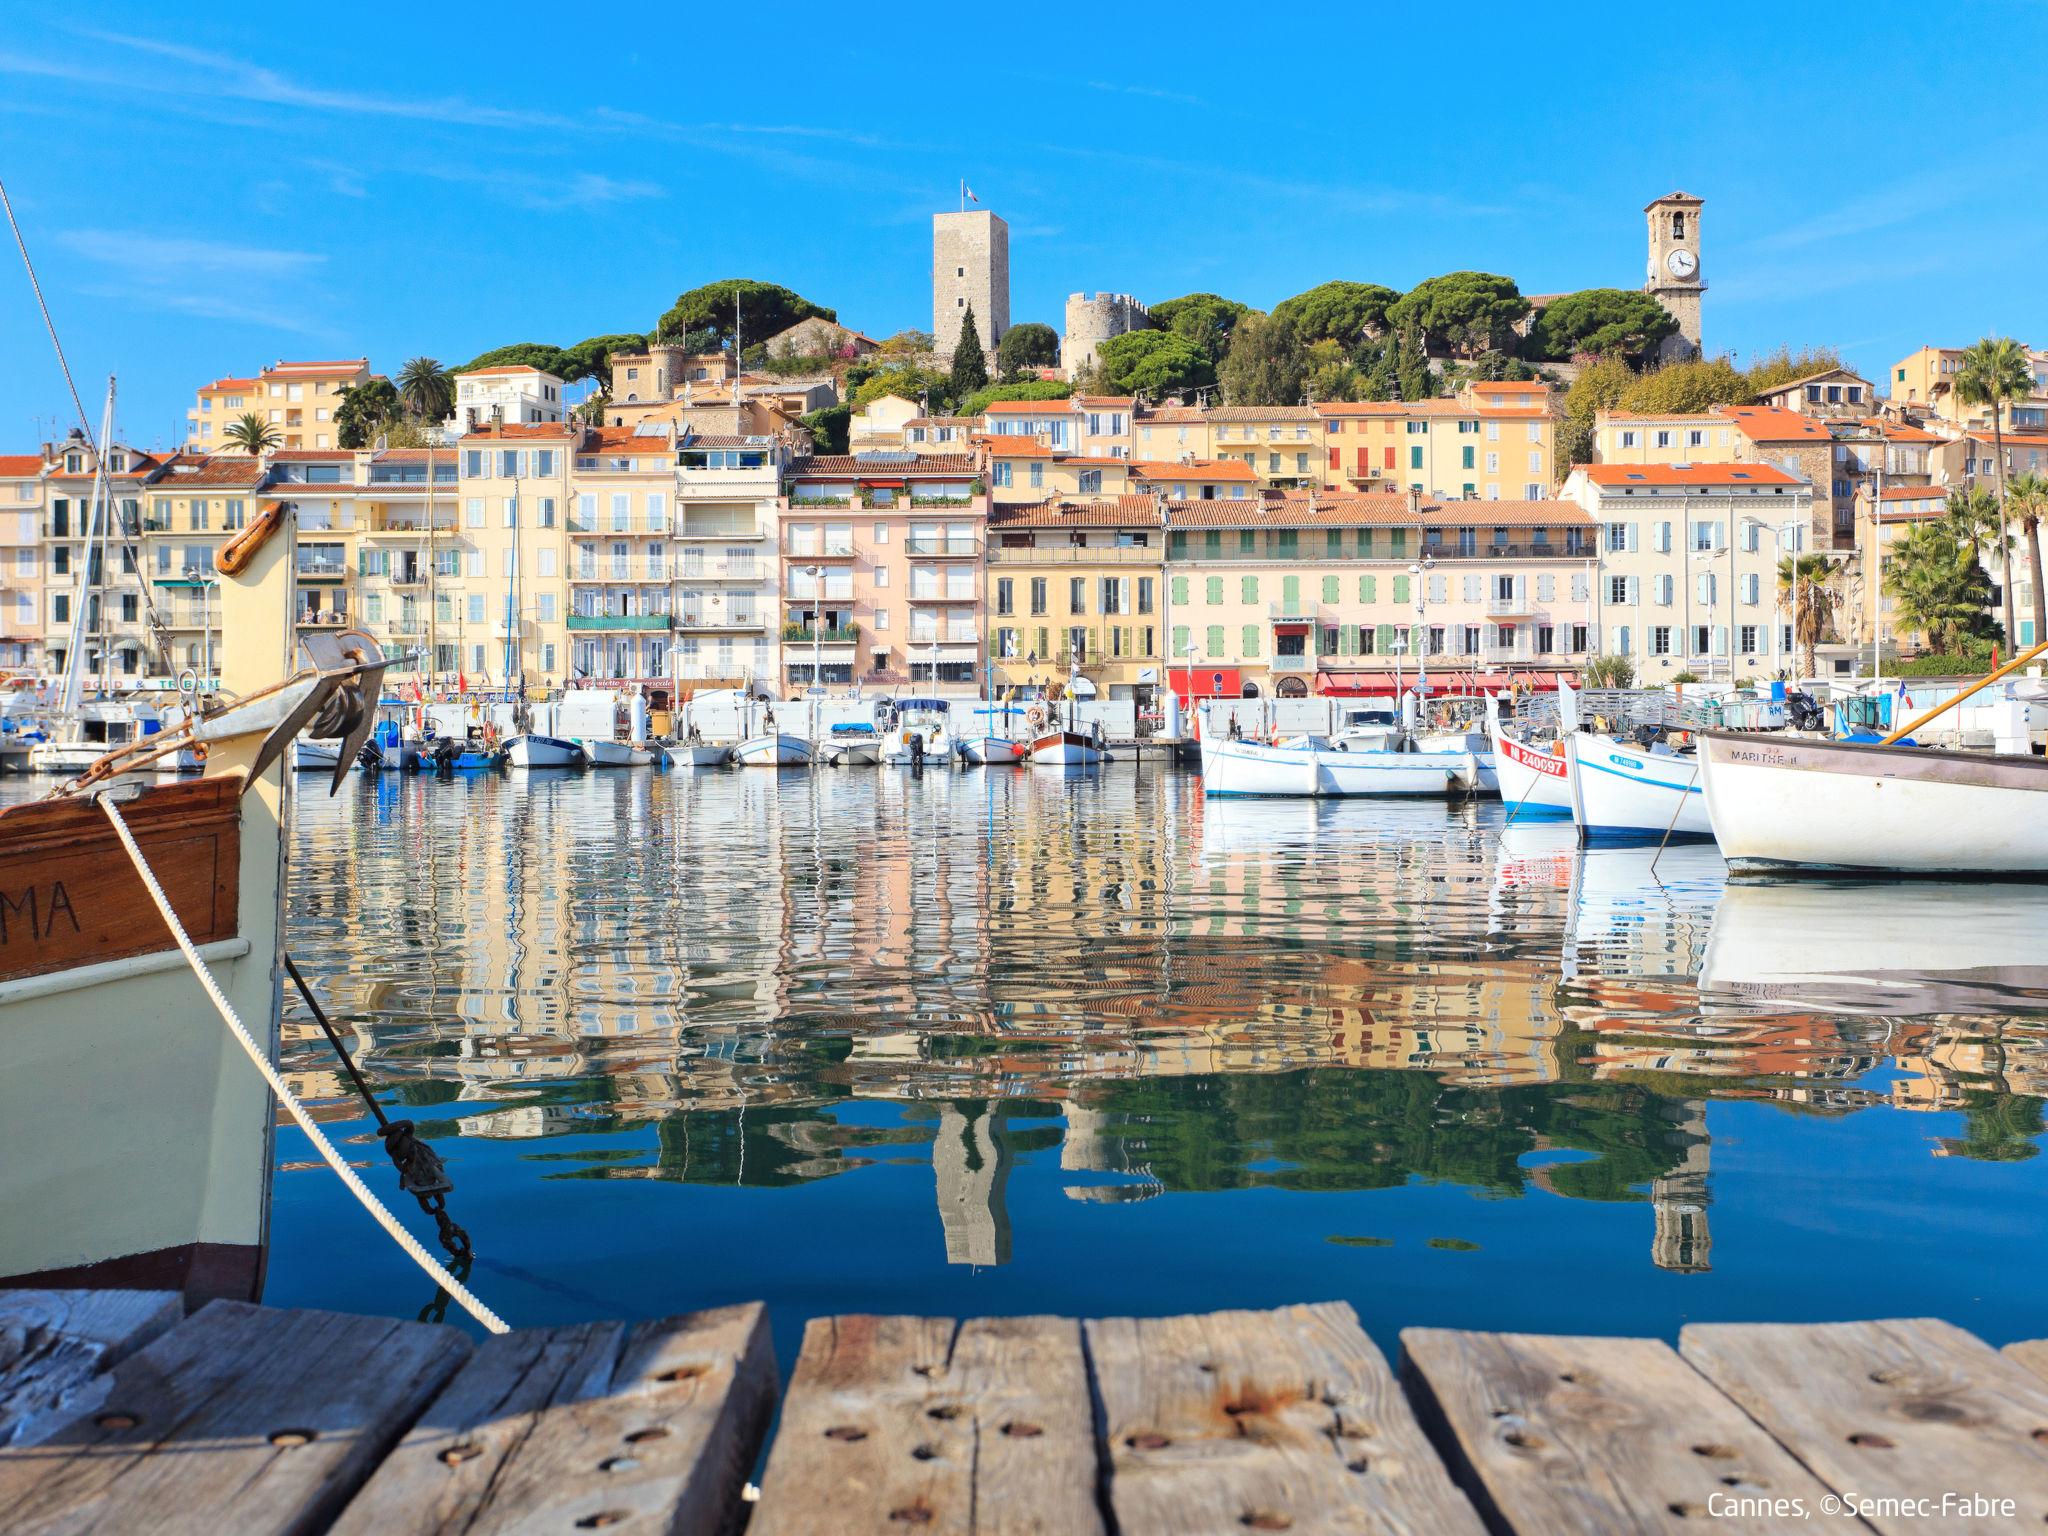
[
  {"x": 1092, "y": 318},
  {"x": 1682, "y": 1240},
  {"x": 1676, "y": 277},
  {"x": 970, "y": 267}
]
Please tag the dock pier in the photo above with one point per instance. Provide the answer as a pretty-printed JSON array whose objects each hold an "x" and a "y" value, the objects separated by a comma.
[{"x": 119, "y": 1413}]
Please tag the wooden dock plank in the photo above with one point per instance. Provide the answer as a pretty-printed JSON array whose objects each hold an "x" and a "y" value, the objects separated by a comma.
[
  {"x": 1286, "y": 1420},
  {"x": 55, "y": 1347},
  {"x": 1908, "y": 1409},
  {"x": 239, "y": 1419},
  {"x": 585, "y": 1427},
  {"x": 1564, "y": 1435},
  {"x": 895, "y": 1424}
]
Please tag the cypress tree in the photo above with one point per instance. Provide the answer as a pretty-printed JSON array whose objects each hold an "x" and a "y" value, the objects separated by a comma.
[{"x": 970, "y": 363}]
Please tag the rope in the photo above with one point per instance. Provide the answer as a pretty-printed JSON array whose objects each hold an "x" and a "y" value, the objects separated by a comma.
[{"x": 255, "y": 1053}]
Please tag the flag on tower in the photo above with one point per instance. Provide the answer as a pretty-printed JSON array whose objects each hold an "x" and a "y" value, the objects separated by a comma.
[{"x": 967, "y": 192}]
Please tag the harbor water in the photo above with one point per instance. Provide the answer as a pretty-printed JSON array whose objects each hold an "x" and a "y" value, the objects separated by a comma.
[{"x": 1084, "y": 1043}]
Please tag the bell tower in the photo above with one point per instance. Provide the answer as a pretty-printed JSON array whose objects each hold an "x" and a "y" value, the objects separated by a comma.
[{"x": 1676, "y": 278}]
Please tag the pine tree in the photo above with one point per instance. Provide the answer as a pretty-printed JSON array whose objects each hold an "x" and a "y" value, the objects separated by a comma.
[{"x": 970, "y": 363}]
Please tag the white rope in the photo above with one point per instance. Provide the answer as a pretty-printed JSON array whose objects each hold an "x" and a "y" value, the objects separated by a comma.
[{"x": 356, "y": 1187}]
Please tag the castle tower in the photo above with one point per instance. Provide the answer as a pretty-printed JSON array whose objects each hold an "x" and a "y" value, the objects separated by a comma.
[
  {"x": 970, "y": 267},
  {"x": 1676, "y": 279},
  {"x": 1092, "y": 319},
  {"x": 1682, "y": 1239}
]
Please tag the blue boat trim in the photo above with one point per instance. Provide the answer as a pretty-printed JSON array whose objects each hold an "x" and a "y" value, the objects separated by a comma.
[{"x": 1690, "y": 789}]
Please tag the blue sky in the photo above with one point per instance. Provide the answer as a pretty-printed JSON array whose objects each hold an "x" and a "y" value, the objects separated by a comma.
[{"x": 207, "y": 189}]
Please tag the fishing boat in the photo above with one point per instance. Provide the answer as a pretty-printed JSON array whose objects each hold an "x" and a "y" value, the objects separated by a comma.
[
  {"x": 1790, "y": 805},
  {"x": 993, "y": 751},
  {"x": 1480, "y": 776},
  {"x": 135, "y": 1137},
  {"x": 1315, "y": 766},
  {"x": 852, "y": 744},
  {"x": 696, "y": 754},
  {"x": 920, "y": 731},
  {"x": 392, "y": 747},
  {"x": 309, "y": 756},
  {"x": 773, "y": 749},
  {"x": 1623, "y": 792},
  {"x": 1067, "y": 748},
  {"x": 529, "y": 749},
  {"x": 87, "y": 732},
  {"x": 1532, "y": 782},
  {"x": 609, "y": 724}
]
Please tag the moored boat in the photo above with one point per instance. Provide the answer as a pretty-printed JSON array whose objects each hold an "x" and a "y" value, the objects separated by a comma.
[
  {"x": 1790, "y": 805},
  {"x": 1628, "y": 793},
  {"x": 531, "y": 750},
  {"x": 1310, "y": 766},
  {"x": 1067, "y": 749},
  {"x": 773, "y": 749},
  {"x": 993, "y": 751},
  {"x": 696, "y": 754},
  {"x": 310, "y": 756},
  {"x": 603, "y": 753},
  {"x": 1532, "y": 783},
  {"x": 855, "y": 745}
]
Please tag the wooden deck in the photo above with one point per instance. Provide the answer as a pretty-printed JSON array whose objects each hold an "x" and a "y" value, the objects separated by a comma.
[{"x": 119, "y": 1414}]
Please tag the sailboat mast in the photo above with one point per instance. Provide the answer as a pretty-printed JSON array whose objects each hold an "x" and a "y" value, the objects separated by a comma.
[
  {"x": 433, "y": 589},
  {"x": 81, "y": 629}
]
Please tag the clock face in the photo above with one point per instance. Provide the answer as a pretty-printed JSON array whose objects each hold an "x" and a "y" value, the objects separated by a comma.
[{"x": 1682, "y": 262}]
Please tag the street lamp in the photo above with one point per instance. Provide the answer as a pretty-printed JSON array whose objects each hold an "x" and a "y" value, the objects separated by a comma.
[
  {"x": 1418, "y": 573},
  {"x": 817, "y": 630},
  {"x": 198, "y": 577}
]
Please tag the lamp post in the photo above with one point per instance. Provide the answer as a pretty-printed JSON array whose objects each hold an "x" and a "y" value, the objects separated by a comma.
[
  {"x": 1419, "y": 574},
  {"x": 198, "y": 578},
  {"x": 817, "y": 630}
]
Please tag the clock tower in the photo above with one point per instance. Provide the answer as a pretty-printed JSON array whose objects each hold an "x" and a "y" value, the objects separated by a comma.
[{"x": 1676, "y": 280}]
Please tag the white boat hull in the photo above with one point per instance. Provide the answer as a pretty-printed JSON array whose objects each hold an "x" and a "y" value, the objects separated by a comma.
[
  {"x": 1623, "y": 792},
  {"x": 614, "y": 754},
  {"x": 1248, "y": 768},
  {"x": 1482, "y": 777},
  {"x": 68, "y": 758},
  {"x": 1791, "y": 804},
  {"x": 1066, "y": 749},
  {"x": 998, "y": 750},
  {"x": 897, "y": 751},
  {"x": 696, "y": 755},
  {"x": 842, "y": 753},
  {"x": 543, "y": 752},
  {"x": 1532, "y": 783},
  {"x": 310, "y": 756},
  {"x": 779, "y": 750}
]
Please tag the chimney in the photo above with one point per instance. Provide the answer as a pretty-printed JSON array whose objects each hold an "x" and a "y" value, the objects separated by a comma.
[{"x": 1415, "y": 502}]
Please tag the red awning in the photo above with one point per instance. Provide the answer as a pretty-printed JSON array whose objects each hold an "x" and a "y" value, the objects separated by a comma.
[
  {"x": 1294, "y": 626},
  {"x": 881, "y": 485},
  {"x": 1205, "y": 682},
  {"x": 1358, "y": 685}
]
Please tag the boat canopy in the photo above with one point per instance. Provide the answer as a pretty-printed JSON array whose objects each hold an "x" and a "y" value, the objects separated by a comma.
[{"x": 933, "y": 706}]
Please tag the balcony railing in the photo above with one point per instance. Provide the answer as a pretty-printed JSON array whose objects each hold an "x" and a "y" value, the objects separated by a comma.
[
  {"x": 407, "y": 576},
  {"x": 324, "y": 618},
  {"x": 1108, "y": 554},
  {"x": 1292, "y": 664},
  {"x": 725, "y": 570},
  {"x": 943, "y": 549},
  {"x": 1292, "y": 613},
  {"x": 323, "y": 570},
  {"x": 1531, "y": 551},
  {"x": 835, "y": 634},
  {"x": 728, "y": 622},
  {"x": 1510, "y": 607},
  {"x": 833, "y": 551},
  {"x": 938, "y": 596},
  {"x": 622, "y": 621}
]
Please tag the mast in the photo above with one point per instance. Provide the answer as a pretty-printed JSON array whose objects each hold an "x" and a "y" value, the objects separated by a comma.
[
  {"x": 74, "y": 660},
  {"x": 433, "y": 586}
]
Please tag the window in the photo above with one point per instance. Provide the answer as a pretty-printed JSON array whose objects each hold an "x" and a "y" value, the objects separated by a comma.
[
  {"x": 1660, "y": 640},
  {"x": 1145, "y": 595},
  {"x": 1660, "y": 439},
  {"x": 1415, "y": 458},
  {"x": 1038, "y": 594},
  {"x": 1628, "y": 439},
  {"x": 1077, "y": 594},
  {"x": 1749, "y": 639},
  {"x": 1001, "y": 475},
  {"x": 1004, "y": 595}
]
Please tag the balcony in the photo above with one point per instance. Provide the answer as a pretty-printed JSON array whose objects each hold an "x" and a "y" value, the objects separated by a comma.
[
  {"x": 729, "y": 623},
  {"x": 946, "y": 597},
  {"x": 1543, "y": 551},
  {"x": 1281, "y": 663},
  {"x": 621, "y": 621},
  {"x": 834, "y": 551},
  {"x": 835, "y": 634},
  {"x": 1510, "y": 607},
  {"x": 1295, "y": 613},
  {"x": 943, "y": 549},
  {"x": 322, "y": 570},
  {"x": 322, "y": 618},
  {"x": 410, "y": 527},
  {"x": 725, "y": 570},
  {"x": 1109, "y": 554}
]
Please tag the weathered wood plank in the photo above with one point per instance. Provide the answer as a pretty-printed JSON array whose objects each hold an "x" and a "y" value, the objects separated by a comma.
[
  {"x": 1286, "y": 1420},
  {"x": 1568, "y": 1435},
  {"x": 895, "y": 1424},
  {"x": 584, "y": 1427},
  {"x": 240, "y": 1419},
  {"x": 1911, "y": 1409},
  {"x": 56, "y": 1345},
  {"x": 2032, "y": 1353}
]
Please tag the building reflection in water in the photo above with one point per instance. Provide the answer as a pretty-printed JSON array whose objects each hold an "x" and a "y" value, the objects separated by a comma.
[{"x": 1205, "y": 995}]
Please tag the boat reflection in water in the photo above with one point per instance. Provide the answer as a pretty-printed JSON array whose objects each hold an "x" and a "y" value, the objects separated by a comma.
[{"x": 1099, "y": 1045}]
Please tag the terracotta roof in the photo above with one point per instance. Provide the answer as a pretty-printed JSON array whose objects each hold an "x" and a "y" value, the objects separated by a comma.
[
  {"x": 16, "y": 465},
  {"x": 2010, "y": 439},
  {"x": 340, "y": 365},
  {"x": 1775, "y": 424},
  {"x": 1123, "y": 400},
  {"x": 515, "y": 430},
  {"x": 416, "y": 455},
  {"x": 1506, "y": 514},
  {"x": 319, "y": 455},
  {"x": 1031, "y": 448},
  {"x": 845, "y": 466},
  {"x": 1293, "y": 512},
  {"x": 1262, "y": 413},
  {"x": 625, "y": 440},
  {"x": 941, "y": 421},
  {"x": 1201, "y": 469},
  {"x": 1825, "y": 373},
  {"x": 1690, "y": 418},
  {"x": 1623, "y": 475},
  {"x": 718, "y": 440},
  {"x": 223, "y": 470},
  {"x": 234, "y": 384},
  {"x": 1510, "y": 387},
  {"x": 1900, "y": 431},
  {"x": 1111, "y": 512},
  {"x": 1029, "y": 408},
  {"x": 1172, "y": 413},
  {"x": 1438, "y": 407},
  {"x": 1910, "y": 492}
]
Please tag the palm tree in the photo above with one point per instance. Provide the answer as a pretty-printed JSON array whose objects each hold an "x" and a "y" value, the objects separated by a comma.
[
  {"x": 253, "y": 435},
  {"x": 1972, "y": 514},
  {"x": 1806, "y": 589},
  {"x": 428, "y": 389},
  {"x": 1993, "y": 371},
  {"x": 1936, "y": 585},
  {"x": 2028, "y": 499}
]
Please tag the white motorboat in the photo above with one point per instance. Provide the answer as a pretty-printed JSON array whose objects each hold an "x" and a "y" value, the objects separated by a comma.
[
  {"x": 1795, "y": 804},
  {"x": 1482, "y": 778},
  {"x": 94, "y": 729},
  {"x": 310, "y": 756},
  {"x": 1630, "y": 793},
  {"x": 774, "y": 749},
  {"x": 1532, "y": 783},
  {"x": 696, "y": 754},
  {"x": 993, "y": 751},
  {"x": 604, "y": 753},
  {"x": 1068, "y": 749},
  {"x": 1313, "y": 766},
  {"x": 930, "y": 721},
  {"x": 530, "y": 750}
]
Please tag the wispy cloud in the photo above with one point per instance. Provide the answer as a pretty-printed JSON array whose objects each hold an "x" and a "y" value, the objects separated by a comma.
[
  {"x": 1151, "y": 93},
  {"x": 550, "y": 193},
  {"x": 212, "y": 279},
  {"x": 140, "y": 252}
]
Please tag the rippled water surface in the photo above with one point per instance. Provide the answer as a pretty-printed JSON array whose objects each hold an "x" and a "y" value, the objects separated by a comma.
[{"x": 1023, "y": 1041}]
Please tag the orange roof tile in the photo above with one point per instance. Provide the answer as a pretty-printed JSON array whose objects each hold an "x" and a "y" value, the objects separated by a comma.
[
  {"x": 234, "y": 384},
  {"x": 846, "y": 466},
  {"x": 1029, "y": 408},
  {"x": 1774, "y": 424},
  {"x": 15, "y": 465},
  {"x": 1687, "y": 474},
  {"x": 559, "y": 431},
  {"x": 339, "y": 365},
  {"x": 1110, "y": 512},
  {"x": 1111, "y": 400},
  {"x": 1201, "y": 469}
]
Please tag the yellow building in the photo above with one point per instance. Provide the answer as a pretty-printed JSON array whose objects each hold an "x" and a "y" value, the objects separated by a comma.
[
  {"x": 621, "y": 555},
  {"x": 1281, "y": 444},
  {"x": 1927, "y": 379},
  {"x": 191, "y": 506},
  {"x": 299, "y": 399},
  {"x": 516, "y": 494},
  {"x": 1171, "y": 432},
  {"x": 1494, "y": 442},
  {"x": 1024, "y": 470},
  {"x": 1073, "y": 589}
]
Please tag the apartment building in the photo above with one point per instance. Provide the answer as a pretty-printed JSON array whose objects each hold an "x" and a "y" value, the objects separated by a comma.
[
  {"x": 1494, "y": 442},
  {"x": 1075, "y": 596},
  {"x": 515, "y": 489},
  {"x": 510, "y": 392},
  {"x": 727, "y": 576},
  {"x": 1023, "y": 470},
  {"x": 620, "y": 563},
  {"x": 1926, "y": 379},
  {"x": 21, "y": 561},
  {"x": 1828, "y": 455},
  {"x": 1833, "y": 394},
  {"x": 881, "y": 560},
  {"x": 299, "y": 399},
  {"x": 85, "y": 554},
  {"x": 1282, "y": 445},
  {"x": 1689, "y": 559},
  {"x": 191, "y": 505},
  {"x": 1305, "y": 593},
  {"x": 1171, "y": 432},
  {"x": 1880, "y": 524}
]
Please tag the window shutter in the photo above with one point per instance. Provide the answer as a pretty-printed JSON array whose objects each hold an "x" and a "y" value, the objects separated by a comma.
[
  {"x": 1720, "y": 640},
  {"x": 1632, "y": 540},
  {"x": 1329, "y": 589},
  {"x": 1635, "y": 591}
]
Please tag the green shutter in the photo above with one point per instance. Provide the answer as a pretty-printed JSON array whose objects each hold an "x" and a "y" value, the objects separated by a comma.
[
  {"x": 1247, "y": 542},
  {"x": 1180, "y": 643},
  {"x": 1400, "y": 589},
  {"x": 1415, "y": 458},
  {"x": 1180, "y": 590},
  {"x": 1400, "y": 542},
  {"x": 1215, "y": 593},
  {"x": 1177, "y": 545},
  {"x": 1384, "y": 638},
  {"x": 1215, "y": 642},
  {"x": 1248, "y": 589},
  {"x": 1251, "y": 642},
  {"x": 1467, "y": 460},
  {"x": 1365, "y": 542},
  {"x": 1329, "y": 589},
  {"x": 1368, "y": 589},
  {"x": 1290, "y": 593}
]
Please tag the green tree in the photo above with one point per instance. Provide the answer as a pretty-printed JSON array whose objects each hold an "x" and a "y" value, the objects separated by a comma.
[
  {"x": 1153, "y": 363},
  {"x": 907, "y": 380},
  {"x": 364, "y": 410},
  {"x": 1026, "y": 389},
  {"x": 1936, "y": 585},
  {"x": 1599, "y": 320},
  {"x": 1775, "y": 369},
  {"x": 592, "y": 358},
  {"x": 1600, "y": 386},
  {"x": 910, "y": 343},
  {"x": 527, "y": 354},
  {"x": 1995, "y": 371},
  {"x": 252, "y": 434},
  {"x": 2027, "y": 499},
  {"x": 970, "y": 362},
  {"x": 1807, "y": 591},
  {"x": 828, "y": 426},
  {"x": 1972, "y": 515},
  {"x": 1610, "y": 672},
  {"x": 763, "y": 309},
  {"x": 1204, "y": 319},
  {"x": 1346, "y": 313},
  {"x": 1266, "y": 364},
  {"x": 1464, "y": 313},
  {"x": 1698, "y": 384},
  {"x": 428, "y": 389},
  {"x": 1030, "y": 345},
  {"x": 1331, "y": 373}
]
